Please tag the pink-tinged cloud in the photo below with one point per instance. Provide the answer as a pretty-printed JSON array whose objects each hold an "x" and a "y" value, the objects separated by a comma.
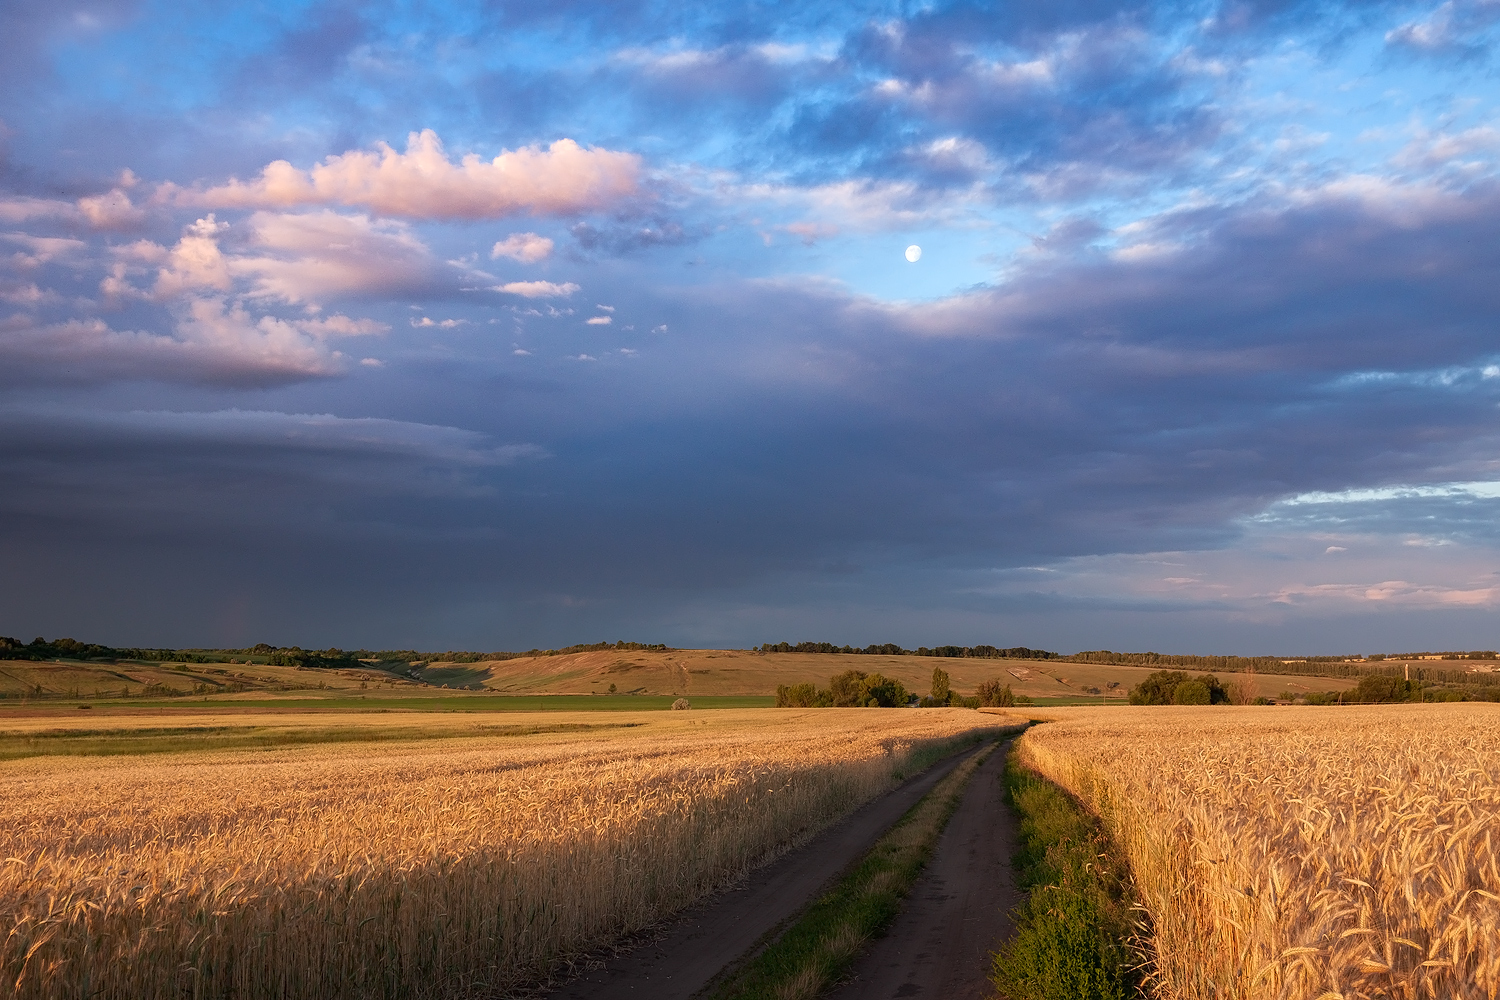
[
  {"x": 318, "y": 255},
  {"x": 538, "y": 289},
  {"x": 113, "y": 210},
  {"x": 423, "y": 183},
  {"x": 528, "y": 248},
  {"x": 212, "y": 343},
  {"x": 195, "y": 264}
]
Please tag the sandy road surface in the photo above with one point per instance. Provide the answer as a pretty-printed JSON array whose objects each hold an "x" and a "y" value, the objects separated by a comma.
[
  {"x": 957, "y": 913},
  {"x": 716, "y": 934}
]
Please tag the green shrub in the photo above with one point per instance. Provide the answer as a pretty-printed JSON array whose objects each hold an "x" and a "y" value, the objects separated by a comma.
[
  {"x": 992, "y": 695},
  {"x": 1161, "y": 689},
  {"x": 1190, "y": 693}
]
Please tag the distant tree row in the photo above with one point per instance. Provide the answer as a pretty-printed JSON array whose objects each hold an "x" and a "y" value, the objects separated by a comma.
[
  {"x": 1176, "y": 687},
  {"x": 891, "y": 649},
  {"x": 71, "y": 649},
  {"x": 857, "y": 689}
]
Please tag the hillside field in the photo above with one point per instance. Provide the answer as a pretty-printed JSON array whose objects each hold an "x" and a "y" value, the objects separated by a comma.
[{"x": 671, "y": 673}]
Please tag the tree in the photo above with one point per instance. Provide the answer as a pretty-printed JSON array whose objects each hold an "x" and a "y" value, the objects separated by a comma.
[
  {"x": 992, "y": 695},
  {"x": 848, "y": 689},
  {"x": 940, "y": 686},
  {"x": 1162, "y": 688}
]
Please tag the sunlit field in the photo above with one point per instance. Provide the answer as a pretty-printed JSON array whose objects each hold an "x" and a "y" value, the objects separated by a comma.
[
  {"x": 431, "y": 864},
  {"x": 1300, "y": 852}
]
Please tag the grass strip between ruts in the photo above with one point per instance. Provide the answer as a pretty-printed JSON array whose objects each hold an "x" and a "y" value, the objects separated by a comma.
[
  {"x": 822, "y": 944},
  {"x": 1073, "y": 931}
]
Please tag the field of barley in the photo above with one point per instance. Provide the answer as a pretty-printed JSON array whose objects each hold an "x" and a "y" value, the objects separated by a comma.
[
  {"x": 426, "y": 867},
  {"x": 1291, "y": 853}
]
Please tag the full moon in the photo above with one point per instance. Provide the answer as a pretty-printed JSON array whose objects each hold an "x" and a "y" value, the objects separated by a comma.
[{"x": 913, "y": 253}]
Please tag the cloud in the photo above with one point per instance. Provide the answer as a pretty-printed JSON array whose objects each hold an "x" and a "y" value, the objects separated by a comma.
[
  {"x": 212, "y": 343},
  {"x": 625, "y": 239},
  {"x": 314, "y": 256},
  {"x": 599, "y": 320},
  {"x": 423, "y": 183},
  {"x": 528, "y": 248},
  {"x": 195, "y": 263},
  {"x": 39, "y": 250},
  {"x": 112, "y": 210},
  {"x": 538, "y": 289}
]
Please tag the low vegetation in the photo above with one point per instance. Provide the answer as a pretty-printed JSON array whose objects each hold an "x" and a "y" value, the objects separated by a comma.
[
  {"x": 1320, "y": 853},
  {"x": 850, "y": 689},
  {"x": 411, "y": 869},
  {"x": 892, "y": 649},
  {"x": 1072, "y": 930}
]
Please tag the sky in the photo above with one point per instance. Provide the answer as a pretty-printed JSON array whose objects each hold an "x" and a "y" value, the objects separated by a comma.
[{"x": 482, "y": 325}]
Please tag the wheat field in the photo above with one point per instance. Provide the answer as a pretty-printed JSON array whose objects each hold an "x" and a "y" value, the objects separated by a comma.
[
  {"x": 1291, "y": 853},
  {"x": 413, "y": 869}
]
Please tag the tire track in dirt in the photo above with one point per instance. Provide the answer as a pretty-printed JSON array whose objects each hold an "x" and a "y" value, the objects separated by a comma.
[
  {"x": 958, "y": 912},
  {"x": 717, "y": 934}
]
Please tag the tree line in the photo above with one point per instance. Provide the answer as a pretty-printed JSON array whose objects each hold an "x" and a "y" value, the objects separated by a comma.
[
  {"x": 892, "y": 649},
  {"x": 857, "y": 689},
  {"x": 1177, "y": 687}
]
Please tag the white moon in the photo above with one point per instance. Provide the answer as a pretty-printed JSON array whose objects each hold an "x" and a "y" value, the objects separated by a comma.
[{"x": 913, "y": 253}]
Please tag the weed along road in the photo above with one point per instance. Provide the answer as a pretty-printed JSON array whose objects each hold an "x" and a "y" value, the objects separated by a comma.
[
  {"x": 717, "y": 934},
  {"x": 958, "y": 912}
]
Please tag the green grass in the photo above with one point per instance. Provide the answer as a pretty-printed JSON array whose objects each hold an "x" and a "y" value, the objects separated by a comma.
[
  {"x": 1071, "y": 932},
  {"x": 375, "y": 702},
  {"x": 179, "y": 739},
  {"x": 823, "y": 943}
]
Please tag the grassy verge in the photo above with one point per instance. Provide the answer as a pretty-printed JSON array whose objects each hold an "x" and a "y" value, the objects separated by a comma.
[
  {"x": 821, "y": 946},
  {"x": 1071, "y": 932}
]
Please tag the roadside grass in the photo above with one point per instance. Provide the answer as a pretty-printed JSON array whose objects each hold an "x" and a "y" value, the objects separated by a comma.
[
  {"x": 823, "y": 943},
  {"x": 1072, "y": 930},
  {"x": 180, "y": 739}
]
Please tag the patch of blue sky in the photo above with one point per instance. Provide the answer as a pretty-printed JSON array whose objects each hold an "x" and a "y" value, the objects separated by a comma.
[{"x": 1463, "y": 377}]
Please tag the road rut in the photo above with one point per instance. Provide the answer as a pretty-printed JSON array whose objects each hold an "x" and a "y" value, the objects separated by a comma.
[
  {"x": 958, "y": 912},
  {"x": 718, "y": 933}
]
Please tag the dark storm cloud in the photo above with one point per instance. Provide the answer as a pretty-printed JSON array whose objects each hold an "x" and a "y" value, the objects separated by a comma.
[{"x": 1129, "y": 403}]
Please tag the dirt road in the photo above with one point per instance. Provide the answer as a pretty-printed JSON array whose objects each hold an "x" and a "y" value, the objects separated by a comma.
[
  {"x": 957, "y": 913},
  {"x": 715, "y": 934}
]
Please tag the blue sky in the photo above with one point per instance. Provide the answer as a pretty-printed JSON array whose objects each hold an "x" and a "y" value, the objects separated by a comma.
[{"x": 487, "y": 325}]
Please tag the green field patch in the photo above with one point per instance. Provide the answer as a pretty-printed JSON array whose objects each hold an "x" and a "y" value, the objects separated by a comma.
[{"x": 180, "y": 739}]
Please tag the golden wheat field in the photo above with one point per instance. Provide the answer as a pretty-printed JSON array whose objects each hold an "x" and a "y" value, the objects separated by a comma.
[
  {"x": 1300, "y": 852},
  {"x": 438, "y": 867}
]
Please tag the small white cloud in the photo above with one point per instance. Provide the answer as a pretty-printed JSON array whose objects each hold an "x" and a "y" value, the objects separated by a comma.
[
  {"x": 599, "y": 320},
  {"x": 582, "y": 357},
  {"x": 538, "y": 289},
  {"x": 604, "y": 308},
  {"x": 1491, "y": 371},
  {"x": 629, "y": 350},
  {"x": 339, "y": 325},
  {"x": 372, "y": 362},
  {"x": 528, "y": 248},
  {"x": 659, "y": 329},
  {"x": 446, "y": 324},
  {"x": 1334, "y": 548},
  {"x": 521, "y": 352}
]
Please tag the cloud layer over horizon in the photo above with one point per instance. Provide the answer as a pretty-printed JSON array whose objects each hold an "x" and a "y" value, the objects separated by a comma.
[{"x": 1200, "y": 355}]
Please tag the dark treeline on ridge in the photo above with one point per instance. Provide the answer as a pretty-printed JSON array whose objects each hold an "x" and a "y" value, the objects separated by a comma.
[
  {"x": 282, "y": 656},
  {"x": 891, "y": 649}
]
